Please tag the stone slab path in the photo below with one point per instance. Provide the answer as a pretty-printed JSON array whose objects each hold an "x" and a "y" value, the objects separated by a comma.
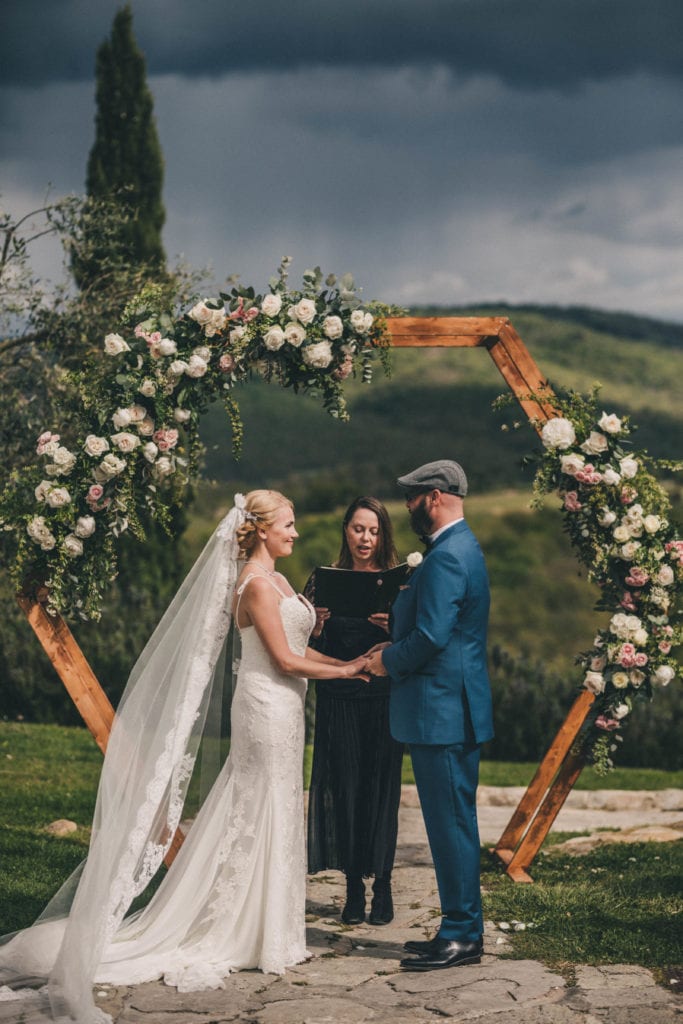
[{"x": 353, "y": 976}]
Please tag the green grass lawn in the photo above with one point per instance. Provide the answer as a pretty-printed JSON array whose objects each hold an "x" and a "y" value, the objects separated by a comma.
[{"x": 615, "y": 905}]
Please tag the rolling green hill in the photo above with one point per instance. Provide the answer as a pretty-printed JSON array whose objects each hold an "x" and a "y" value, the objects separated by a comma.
[{"x": 438, "y": 404}]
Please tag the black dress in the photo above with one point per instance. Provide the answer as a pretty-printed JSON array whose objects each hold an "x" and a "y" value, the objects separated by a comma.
[{"x": 356, "y": 776}]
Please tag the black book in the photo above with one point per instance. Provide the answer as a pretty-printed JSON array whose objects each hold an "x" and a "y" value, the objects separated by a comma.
[{"x": 358, "y": 594}]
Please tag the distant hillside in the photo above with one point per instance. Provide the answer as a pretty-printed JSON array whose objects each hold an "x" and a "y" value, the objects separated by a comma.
[{"x": 438, "y": 403}]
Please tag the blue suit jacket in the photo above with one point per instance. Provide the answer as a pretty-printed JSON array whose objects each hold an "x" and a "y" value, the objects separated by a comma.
[{"x": 440, "y": 690}]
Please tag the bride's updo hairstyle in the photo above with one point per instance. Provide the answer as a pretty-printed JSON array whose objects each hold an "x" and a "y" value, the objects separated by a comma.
[{"x": 260, "y": 509}]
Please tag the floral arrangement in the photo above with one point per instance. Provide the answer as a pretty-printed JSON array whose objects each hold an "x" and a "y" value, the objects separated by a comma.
[
  {"x": 135, "y": 444},
  {"x": 618, "y": 518}
]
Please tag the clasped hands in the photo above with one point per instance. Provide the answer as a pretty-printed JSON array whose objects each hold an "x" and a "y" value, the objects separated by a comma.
[{"x": 369, "y": 664}]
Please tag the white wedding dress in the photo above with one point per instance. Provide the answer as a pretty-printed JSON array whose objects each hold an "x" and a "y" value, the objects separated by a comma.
[{"x": 234, "y": 897}]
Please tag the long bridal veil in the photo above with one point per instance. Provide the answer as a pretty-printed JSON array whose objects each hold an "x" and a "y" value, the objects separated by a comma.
[{"x": 150, "y": 759}]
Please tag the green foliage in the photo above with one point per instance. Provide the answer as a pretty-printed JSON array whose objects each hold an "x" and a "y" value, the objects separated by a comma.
[{"x": 125, "y": 162}]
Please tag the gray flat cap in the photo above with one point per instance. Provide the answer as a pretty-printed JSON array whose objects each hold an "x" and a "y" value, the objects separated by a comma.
[{"x": 444, "y": 474}]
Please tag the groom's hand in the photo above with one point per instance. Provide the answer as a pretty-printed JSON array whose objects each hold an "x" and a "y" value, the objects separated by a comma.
[{"x": 375, "y": 664}]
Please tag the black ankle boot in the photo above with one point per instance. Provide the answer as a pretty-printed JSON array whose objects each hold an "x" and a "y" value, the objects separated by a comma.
[
  {"x": 354, "y": 911},
  {"x": 382, "y": 907}
]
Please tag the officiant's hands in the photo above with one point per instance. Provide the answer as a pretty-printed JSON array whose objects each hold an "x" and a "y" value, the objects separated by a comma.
[
  {"x": 321, "y": 617},
  {"x": 380, "y": 619}
]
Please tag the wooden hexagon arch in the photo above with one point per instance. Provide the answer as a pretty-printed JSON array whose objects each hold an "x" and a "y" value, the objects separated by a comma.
[{"x": 559, "y": 769}]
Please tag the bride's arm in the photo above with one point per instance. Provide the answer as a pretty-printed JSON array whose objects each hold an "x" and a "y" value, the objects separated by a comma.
[{"x": 262, "y": 604}]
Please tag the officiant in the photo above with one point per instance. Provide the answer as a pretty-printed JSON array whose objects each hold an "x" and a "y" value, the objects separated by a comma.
[{"x": 356, "y": 777}]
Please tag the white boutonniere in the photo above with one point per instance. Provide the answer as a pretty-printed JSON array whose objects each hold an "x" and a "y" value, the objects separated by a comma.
[{"x": 414, "y": 559}]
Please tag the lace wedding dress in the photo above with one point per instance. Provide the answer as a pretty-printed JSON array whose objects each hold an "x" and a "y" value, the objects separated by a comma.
[{"x": 234, "y": 897}]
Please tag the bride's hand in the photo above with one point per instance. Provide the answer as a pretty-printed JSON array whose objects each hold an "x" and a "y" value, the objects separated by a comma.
[{"x": 357, "y": 669}]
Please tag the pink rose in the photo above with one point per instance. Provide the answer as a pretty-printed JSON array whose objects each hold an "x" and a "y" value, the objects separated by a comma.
[
  {"x": 95, "y": 492},
  {"x": 637, "y": 577},
  {"x": 343, "y": 371},
  {"x": 571, "y": 501},
  {"x": 44, "y": 440},
  {"x": 628, "y": 494},
  {"x": 675, "y": 549},
  {"x": 626, "y": 656},
  {"x": 641, "y": 659},
  {"x": 226, "y": 363},
  {"x": 608, "y": 724},
  {"x": 165, "y": 439},
  {"x": 664, "y": 646},
  {"x": 627, "y": 602}
]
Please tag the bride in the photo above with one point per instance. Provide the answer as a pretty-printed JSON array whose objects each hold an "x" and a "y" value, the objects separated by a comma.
[{"x": 234, "y": 897}]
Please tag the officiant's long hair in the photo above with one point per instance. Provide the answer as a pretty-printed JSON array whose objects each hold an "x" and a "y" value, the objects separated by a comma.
[{"x": 387, "y": 556}]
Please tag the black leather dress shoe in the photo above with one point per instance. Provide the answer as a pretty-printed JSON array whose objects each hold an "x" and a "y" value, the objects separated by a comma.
[
  {"x": 445, "y": 953},
  {"x": 413, "y": 946}
]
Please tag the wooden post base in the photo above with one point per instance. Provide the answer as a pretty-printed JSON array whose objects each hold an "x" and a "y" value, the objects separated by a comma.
[{"x": 545, "y": 795}]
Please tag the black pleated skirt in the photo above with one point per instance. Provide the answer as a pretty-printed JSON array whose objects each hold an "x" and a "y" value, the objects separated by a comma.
[{"x": 355, "y": 786}]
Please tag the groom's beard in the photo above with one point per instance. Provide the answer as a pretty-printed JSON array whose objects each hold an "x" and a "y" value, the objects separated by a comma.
[{"x": 420, "y": 522}]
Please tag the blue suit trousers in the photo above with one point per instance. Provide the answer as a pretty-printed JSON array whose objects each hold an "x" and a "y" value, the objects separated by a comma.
[{"x": 446, "y": 778}]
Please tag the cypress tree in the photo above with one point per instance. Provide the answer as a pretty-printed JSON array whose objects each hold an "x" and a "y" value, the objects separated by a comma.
[{"x": 126, "y": 161}]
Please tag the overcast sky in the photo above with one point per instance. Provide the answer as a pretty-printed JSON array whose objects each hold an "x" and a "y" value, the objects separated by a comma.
[{"x": 444, "y": 151}]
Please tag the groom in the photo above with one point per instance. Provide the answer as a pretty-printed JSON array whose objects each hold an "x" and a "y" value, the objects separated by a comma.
[{"x": 441, "y": 700}]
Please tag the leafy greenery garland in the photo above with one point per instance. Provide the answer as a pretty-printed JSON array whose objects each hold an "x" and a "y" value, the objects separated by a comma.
[
  {"x": 135, "y": 444},
  {"x": 619, "y": 520}
]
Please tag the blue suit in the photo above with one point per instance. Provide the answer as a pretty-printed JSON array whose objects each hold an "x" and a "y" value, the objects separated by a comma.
[{"x": 441, "y": 706}]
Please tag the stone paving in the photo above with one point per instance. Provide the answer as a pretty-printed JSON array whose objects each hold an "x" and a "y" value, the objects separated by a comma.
[{"x": 354, "y": 977}]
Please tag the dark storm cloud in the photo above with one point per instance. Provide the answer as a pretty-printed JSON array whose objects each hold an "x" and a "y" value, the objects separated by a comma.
[{"x": 557, "y": 43}]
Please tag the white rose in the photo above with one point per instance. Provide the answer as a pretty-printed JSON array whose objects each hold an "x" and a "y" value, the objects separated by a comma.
[
  {"x": 150, "y": 451},
  {"x": 663, "y": 675},
  {"x": 57, "y": 497},
  {"x": 274, "y": 338},
  {"x": 95, "y": 445},
  {"x": 137, "y": 413},
  {"x": 651, "y": 523},
  {"x": 64, "y": 458},
  {"x": 163, "y": 466},
  {"x": 621, "y": 534},
  {"x": 181, "y": 415},
  {"x": 203, "y": 351},
  {"x": 620, "y": 680},
  {"x": 571, "y": 464},
  {"x": 414, "y": 559},
  {"x": 657, "y": 596},
  {"x": 358, "y": 320},
  {"x": 109, "y": 467},
  {"x": 114, "y": 345},
  {"x": 598, "y": 663},
  {"x": 333, "y": 327},
  {"x": 295, "y": 334},
  {"x": 558, "y": 433},
  {"x": 620, "y": 711},
  {"x": 237, "y": 333},
  {"x": 610, "y": 424},
  {"x": 85, "y": 526},
  {"x": 640, "y": 637},
  {"x": 125, "y": 442},
  {"x": 217, "y": 323},
  {"x": 201, "y": 313},
  {"x": 318, "y": 356},
  {"x": 50, "y": 448},
  {"x": 304, "y": 311},
  {"x": 178, "y": 367},
  {"x": 72, "y": 545},
  {"x": 594, "y": 443},
  {"x": 368, "y": 321},
  {"x": 606, "y": 517},
  {"x": 611, "y": 477},
  {"x": 122, "y": 418},
  {"x": 196, "y": 367},
  {"x": 636, "y": 676},
  {"x": 629, "y": 549},
  {"x": 665, "y": 576},
  {"x": 39, "y": 532},
  {"x": 146, "y": 427},
  {"x": 167, "y": 347},
  {"x": 594, "y": 681},
  {"x": 148, "y": 388},
  {"x": 271, "y": 305},
  {"x": 43, "y": 489},
  {"x": 628, "y": 467}
]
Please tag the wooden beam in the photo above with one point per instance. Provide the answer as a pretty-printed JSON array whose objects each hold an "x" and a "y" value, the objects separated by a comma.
[{"x": 443, "y": 331}]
